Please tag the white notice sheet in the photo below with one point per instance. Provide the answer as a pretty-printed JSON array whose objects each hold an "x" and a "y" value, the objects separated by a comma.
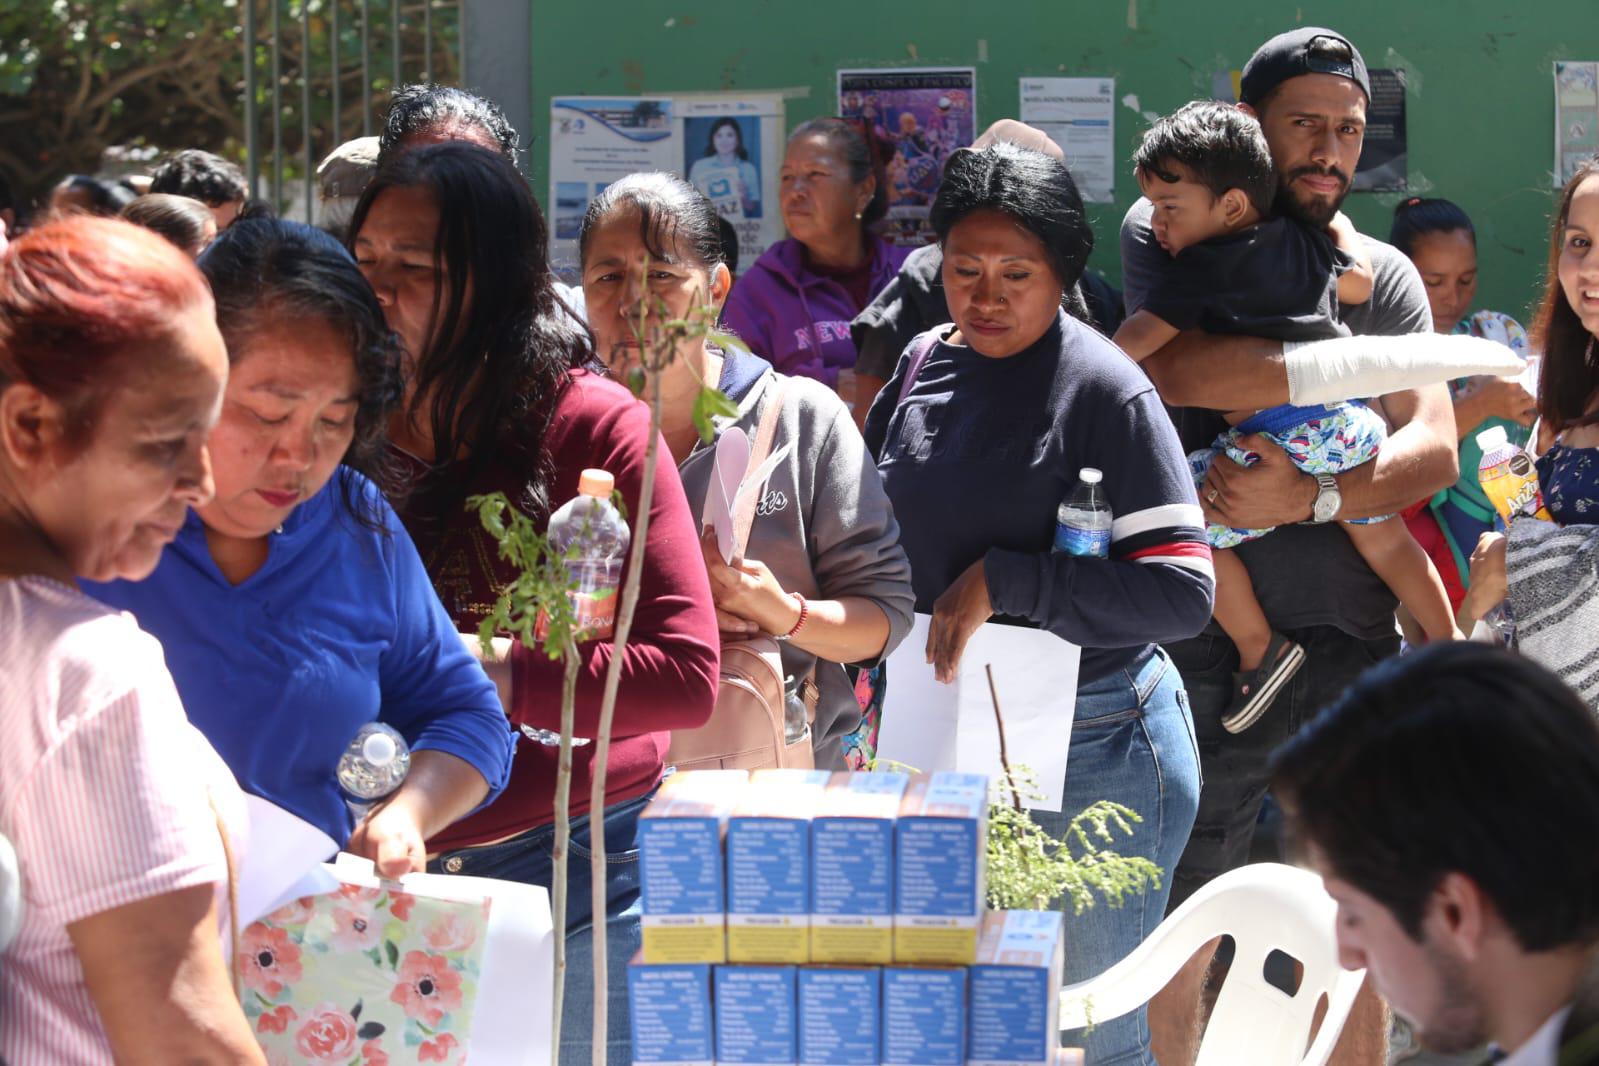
[
  {"x": 932, "y": 726},
  {"x": 1079, "y": 114}
]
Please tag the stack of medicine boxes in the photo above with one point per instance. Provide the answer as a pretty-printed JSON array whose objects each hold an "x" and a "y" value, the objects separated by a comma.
[{"x": 834, "y": 919}]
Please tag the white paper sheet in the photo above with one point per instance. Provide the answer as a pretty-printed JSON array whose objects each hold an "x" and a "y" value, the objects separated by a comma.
[
  {"x": 933, "y": 726},
  {"x": 1079, "y": 114},
  {"x": 732, "y": 483},
  {"x": 283, "y": 860}
]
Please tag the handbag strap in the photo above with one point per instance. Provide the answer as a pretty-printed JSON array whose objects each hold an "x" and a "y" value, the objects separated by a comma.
[
  {"x": 920, "y": 350},
  {"x": 765, "y": 436}
]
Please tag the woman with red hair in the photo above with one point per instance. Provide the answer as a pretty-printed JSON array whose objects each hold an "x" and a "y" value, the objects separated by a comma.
[{"x": 111, "y": 373}]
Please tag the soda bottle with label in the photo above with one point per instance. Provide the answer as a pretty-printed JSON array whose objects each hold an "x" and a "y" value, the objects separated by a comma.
[
  {"x": 588, "y": 531},
  {"x": 1507, "y": 476}
]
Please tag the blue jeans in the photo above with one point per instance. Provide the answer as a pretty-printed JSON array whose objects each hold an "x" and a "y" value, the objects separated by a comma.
[
  {"x": 526, "y": 859},
  {"x": 1132, "y": 742}
]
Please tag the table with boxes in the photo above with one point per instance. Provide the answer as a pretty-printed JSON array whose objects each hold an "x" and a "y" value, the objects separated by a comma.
[{"x": 834, "y": 919}]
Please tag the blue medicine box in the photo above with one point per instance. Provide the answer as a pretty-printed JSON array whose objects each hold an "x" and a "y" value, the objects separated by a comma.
[
  {"x": 671, "y": 1012},
  {"x": 924, "y": 1016},
  {"x": 769, "y": 867},
  {"x": 756, "y": 1015},
  {"x": 940, "y": 848},
  {"x": 680, "y": 866},
  {"x": 840, "y": 1015},
  {"x": 852, "y": 869},
  {"x": 1014, "y": 1016}
]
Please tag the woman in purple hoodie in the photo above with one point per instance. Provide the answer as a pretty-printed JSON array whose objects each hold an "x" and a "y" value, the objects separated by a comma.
[{"x": 796, "y": 302}]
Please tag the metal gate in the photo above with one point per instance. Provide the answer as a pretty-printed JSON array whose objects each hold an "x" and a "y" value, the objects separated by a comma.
[{"x": 317, "y": 72}]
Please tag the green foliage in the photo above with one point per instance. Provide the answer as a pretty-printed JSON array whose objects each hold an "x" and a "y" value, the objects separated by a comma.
[
  {"x": 708, "y": 404},
  {"x": 660, "y": 337},
  {"x": 543, "y": 585},
  {"x": 78, "y": 76},
  {"x": 1030, "y": 870}
]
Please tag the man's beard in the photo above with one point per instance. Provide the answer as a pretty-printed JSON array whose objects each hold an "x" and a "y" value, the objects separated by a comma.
[
  {"x": 1314, "y": 213},
  {"x": 1457, "y": 1024}
]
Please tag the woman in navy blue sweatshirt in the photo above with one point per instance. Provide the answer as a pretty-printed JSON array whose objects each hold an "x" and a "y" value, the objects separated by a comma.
[{"x": 996, "y": 419}]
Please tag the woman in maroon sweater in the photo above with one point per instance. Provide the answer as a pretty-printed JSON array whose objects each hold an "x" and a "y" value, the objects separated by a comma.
[{"x": 497, "y": 399}]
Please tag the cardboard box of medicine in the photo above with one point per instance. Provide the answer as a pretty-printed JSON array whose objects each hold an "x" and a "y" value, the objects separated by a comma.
[
  {"x": 940, "y": 845},
  {"x": 769, "y": 867},
  {"x": 756, "y": 1014},
  {"x": 1015, "y": 990},
  {"x": 680, "y": 868},
  {"x": 852, "y": 868},
  {"x": 840, "y": 1015},
  {"x": 671, "y": 1012},
  {"x": 924, "y": 1016}
]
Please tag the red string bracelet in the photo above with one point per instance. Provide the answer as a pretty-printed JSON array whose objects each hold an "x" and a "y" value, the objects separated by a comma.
[{"x": 805, "y": 612}]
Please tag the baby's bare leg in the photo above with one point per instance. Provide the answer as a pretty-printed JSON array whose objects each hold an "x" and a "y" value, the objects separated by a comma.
[
  {"x": 1237, "y": 611},
  {"x": 1404, "y": 567}
]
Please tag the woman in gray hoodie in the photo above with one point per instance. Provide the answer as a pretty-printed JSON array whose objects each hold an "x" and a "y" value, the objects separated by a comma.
[{"x": 823, "y": 567}]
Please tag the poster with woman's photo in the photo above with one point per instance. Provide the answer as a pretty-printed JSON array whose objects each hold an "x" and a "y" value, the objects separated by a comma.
[
  {"x": 915, "y": 118},
  {"x": 732, "y": 147}
]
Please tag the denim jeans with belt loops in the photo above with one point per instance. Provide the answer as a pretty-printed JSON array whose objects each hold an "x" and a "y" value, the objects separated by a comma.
[
  {"x": 526, "y": 858},
  {"x": 1132, "y": 742}
]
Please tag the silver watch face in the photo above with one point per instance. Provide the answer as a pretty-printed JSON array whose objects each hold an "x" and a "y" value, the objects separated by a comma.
[{"x": 1328, "y": 500}]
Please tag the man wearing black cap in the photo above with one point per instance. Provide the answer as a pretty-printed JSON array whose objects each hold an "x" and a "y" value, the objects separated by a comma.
[{"x": 1310, "y": 90}]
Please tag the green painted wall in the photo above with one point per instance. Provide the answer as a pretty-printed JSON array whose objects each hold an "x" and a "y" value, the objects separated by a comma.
[{"x": 1481, "y": 101}]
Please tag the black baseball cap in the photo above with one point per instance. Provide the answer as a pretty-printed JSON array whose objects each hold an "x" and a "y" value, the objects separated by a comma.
[{"x": 1288, "y": 55}]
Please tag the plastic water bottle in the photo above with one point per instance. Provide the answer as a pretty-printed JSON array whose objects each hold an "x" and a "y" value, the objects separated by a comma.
[
  {"x": 1082, "y": 523},
  {"x": 1507, "y": 476},
  {"x": 373, "y": 766},
  {"x": 589, "y": 531},
  {"x": 794, "y": 717},
  {"x": 1501, "y": 624}
]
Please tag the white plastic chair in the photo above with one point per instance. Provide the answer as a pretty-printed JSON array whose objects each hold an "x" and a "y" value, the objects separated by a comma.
[{"x": 1265, "y": 907}]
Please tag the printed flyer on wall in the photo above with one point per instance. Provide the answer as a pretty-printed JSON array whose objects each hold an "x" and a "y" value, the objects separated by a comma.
[
  {"x": 1576, "y": 117},
  {"x": 731, "y": 147},
  {"x": 593, "y": 141},
  {"x": 1079, "y": 115},
  {"x": 915, "y": 119},
  {"x": 1384, "y": 157}
]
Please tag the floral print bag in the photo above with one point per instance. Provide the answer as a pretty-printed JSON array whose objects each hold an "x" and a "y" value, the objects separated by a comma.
[{"x": 368, "y": 975}]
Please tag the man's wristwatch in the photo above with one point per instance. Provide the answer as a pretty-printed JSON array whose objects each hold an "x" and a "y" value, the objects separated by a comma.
[{"x": 1328, "y": 499}]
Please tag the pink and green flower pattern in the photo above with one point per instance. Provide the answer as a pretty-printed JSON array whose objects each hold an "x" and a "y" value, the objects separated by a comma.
[{"x": 364, "y": 977}]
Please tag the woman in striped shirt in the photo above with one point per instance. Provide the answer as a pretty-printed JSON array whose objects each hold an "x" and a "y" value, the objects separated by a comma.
[
  {"x": 979, "y": 435},
  {"x": 111, "y": 372}
]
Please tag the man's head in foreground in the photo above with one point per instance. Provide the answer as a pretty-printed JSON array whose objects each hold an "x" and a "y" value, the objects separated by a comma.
[{"x": 1450, "y": 800}]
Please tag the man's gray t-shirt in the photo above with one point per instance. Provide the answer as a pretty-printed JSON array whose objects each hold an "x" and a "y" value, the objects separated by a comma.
[{"x": 1304, "y": 575}]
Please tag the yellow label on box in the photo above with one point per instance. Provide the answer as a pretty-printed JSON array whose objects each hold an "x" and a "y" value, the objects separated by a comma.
[
  {"x": 680, "y": 940},
  {"x": 935, "y": 940},
  {"x": 681, "y": 867},
  {"x": 769, "y": 938},
  {"x": 852, "y": 940},
  {"x": 939, "y": 852}
]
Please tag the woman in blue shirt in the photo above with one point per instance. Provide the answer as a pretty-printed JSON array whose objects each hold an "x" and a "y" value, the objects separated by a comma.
[{"x": 293, "y": 608}]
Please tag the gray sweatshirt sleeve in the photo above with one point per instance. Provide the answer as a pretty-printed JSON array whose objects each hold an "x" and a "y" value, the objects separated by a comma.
[
  {"x": 854, "y": 549},
  {"x": 1143, "y": 261}
]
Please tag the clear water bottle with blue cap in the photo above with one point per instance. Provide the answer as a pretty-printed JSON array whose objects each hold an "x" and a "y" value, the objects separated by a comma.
[
  {"x": 1083, "y": 520},
  {"x": 373, "y": 766}
]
